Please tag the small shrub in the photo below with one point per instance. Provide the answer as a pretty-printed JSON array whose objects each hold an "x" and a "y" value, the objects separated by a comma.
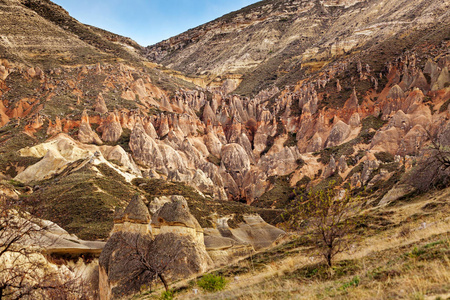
[
  {"x": 404, "y": 232},
  {"x": 444, "y": 106},
  {"x": 214, "y": 159},
  {"x": 291, "y": 141},
  {"x": 212, "y": 283},
  {"x": 167, "y": 295},
  {"x": 416, "y": 252},
  {"x": 300, "y": 162},
  {"x": 385, "y": 157},
  {"x": 432, "y": 244},
  {"x": 418, "y": 296},
  {"x": 354, "y": 282}
]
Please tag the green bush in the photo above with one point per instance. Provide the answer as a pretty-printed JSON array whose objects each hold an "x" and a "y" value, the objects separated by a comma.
[
  {"x": 385, "y": 157},
  {"x": 354, "y": 282},
  {"x": 212, "y": 283},
  {"x": 167, "y": 295}
]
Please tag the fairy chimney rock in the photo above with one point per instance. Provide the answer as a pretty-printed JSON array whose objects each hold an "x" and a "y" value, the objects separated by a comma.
[{"x": 135, "y": 218}]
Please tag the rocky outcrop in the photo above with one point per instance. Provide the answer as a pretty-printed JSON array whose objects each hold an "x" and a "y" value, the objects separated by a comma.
[
  {"x": 3, "y": 72},
  {"x": 145, "y": 150},
  {"x": 52, "y": 163},
  {"x": 85, "y": 133},
  {"x": 61, "y": 150},
  {"x": 100, "y": 105},
  {"x": 253, "y": 231},
  {"x": 111, "y": 128},
  {"x": 171, "y": 243},
  {"x": 235, "y": 159},
  {"x": 338, "y": 134},
  {"x": 395, "y": 93},
  {"x": 395, "y": 193},
  {"x": 134, "y": 219},
  {"x": 176, "y": 214}
]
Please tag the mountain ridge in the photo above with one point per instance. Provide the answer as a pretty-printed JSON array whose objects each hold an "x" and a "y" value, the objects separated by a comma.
[{"x": 220, "y": 51}]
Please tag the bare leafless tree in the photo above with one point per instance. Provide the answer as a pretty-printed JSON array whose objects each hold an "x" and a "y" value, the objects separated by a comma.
[
  {"x": 24, "y": 271},
  {"x": 433, "y": 168},
  {"x": 134, "y": 261},
  {"x": 326, "y": 216},
  {"x": 150, "y": 262}
]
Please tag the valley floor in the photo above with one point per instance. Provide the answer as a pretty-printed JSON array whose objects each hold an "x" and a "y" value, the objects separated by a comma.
[{"x": 403, "y": 253}]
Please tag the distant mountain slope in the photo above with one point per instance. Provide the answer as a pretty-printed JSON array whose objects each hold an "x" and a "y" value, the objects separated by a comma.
[
  {"x": 279, "y": 41},
  {"x": 42, "y": 32}
]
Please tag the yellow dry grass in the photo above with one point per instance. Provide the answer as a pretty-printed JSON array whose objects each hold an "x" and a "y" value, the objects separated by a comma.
[{"x": 392, "y": 254}]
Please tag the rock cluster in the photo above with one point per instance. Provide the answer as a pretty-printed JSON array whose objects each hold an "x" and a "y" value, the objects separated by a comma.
[{"x": 172, "y": 242}]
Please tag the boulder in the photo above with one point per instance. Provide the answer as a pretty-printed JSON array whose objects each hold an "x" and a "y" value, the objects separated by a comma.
[
  {"x": 208, "y": 114},
  {"x": 136, "y": 211},
  {"x": 3, "y": 72},
  {"x": 259, "y": 142},
  {"x": 213, "y": 144},
  {"x": 414, "y": 140},
  {"x": 145, "y": 150},
  {"x": 54, "y": 128},
  {"x": 175, "y": 213},
  {"x": 85, "y": 133},
  {"x": 119, "y": 156},
  {"x": 163, "y": 126},
  {"x": 395, "y": 193},
  {"x": 256, "y": 232},
  {"x": 235, "y": 158},
  {"x": 279, "y": 163},
  {"x": 420, "y": 82},
  {"x": 352, "y": 102},
  {"x": 50, "y": 164},
  {"x": 443, "y": 80},
  {"x": 355, "y": 120},
  {"x": 342, "y": 166},
  {"x": 395, "y": 93},
  {"x": 338, "y": 134},
  {"x": 172, "y": 160},
  {"x": 157, "y": 203},
  {"x": 386, "y": 140},
  {"x": 100, "y": 105},
  {"x": 150, "y": 129},
  {"x": 330, "y": 169},
  {"x": 111, "y": 129},
  {"x": 315, "y": 144},
  {"x": 400, "y": 120}
]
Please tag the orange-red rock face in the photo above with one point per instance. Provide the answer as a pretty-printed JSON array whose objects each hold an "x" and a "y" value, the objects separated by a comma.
[{"x": 229, "y": 145}]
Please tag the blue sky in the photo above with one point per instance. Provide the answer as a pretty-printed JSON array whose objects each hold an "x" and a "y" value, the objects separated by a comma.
[{"x": 149, "y": 21}]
